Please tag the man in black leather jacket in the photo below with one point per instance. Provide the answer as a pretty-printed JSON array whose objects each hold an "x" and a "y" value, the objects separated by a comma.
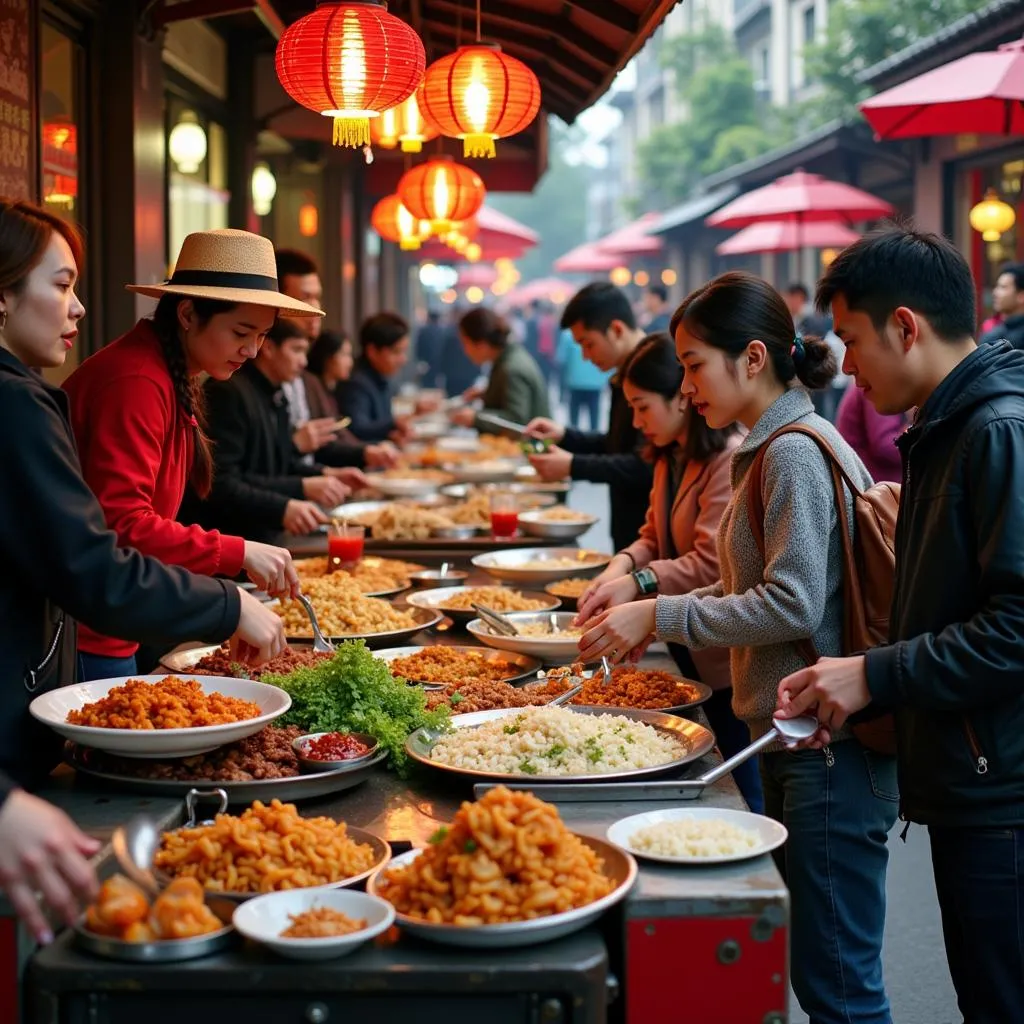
[{"x": 953, "y": 673}]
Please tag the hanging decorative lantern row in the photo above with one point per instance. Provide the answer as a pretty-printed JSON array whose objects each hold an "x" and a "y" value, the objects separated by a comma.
[
  {"x": 442, "y": 192},
  {"x": 350, "y": 61},
  {"x": 403, "y": 124},
  {"x": 479, "y": 94},
  {"x": 394, "y": 223}
]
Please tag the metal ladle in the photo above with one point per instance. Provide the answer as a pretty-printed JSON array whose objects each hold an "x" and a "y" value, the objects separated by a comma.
[{"x": 320, "y": 643}]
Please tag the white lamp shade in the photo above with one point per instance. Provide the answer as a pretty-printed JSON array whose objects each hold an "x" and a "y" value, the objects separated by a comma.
[
  {"x": 264, "y": 188},
  {"x": 187, "y": 143}
]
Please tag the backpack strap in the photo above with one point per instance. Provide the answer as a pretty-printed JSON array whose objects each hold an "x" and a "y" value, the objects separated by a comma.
[{"x": 755, "y": 515}]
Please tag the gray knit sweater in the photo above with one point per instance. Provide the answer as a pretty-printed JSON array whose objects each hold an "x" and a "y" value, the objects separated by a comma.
[{"x": 758, "y": 610}]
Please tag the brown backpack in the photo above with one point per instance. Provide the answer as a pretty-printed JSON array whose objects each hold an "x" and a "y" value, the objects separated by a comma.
[{"x": 869, "y": 565}]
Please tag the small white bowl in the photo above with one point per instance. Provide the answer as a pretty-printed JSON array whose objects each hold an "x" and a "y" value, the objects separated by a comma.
[{"x": 264, "y": 918}]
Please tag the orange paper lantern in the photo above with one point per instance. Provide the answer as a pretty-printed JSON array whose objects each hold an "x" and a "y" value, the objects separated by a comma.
[
  {"x": 350, "y": 61},
  {"x": 403, "y": 124},
  {"x": 394, "y": 223},
  {"x": 479, "y": 94},
  {"x": 309, "y": 220},
  {"x": 442, "y": 191}
]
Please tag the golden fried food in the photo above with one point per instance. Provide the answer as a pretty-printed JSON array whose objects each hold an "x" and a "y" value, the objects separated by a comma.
[
  {"x": 371, "y": 575},
  {"x": 169, "y": 704},
  {"x": 123, "y": 912},
  {"x": 341, "y": 610},
  {"x": 499, "y": 599},
  {"x": 571, "y": 587},
  {"x": 441, "y": 664},
  {"x": 506, "y": 857},
  {"x": 628, "y": 688},
  {"x": 321, "y": 923},
  {"x": 266, "y": 848},
  {"x": 403, "y": 522}
]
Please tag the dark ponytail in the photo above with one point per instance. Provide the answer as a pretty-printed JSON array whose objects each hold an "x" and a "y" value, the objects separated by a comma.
[
  {"x": 653, "y": 367},
  {"x": 188, "y": 389},
  {"x": 482, "y": 324},
  {"x": 736, "y": 308}
]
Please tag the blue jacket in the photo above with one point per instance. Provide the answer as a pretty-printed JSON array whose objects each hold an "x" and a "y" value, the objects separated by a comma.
[
  {"x": 578, "y": 373},
  {"x": 366, "y": 397}
]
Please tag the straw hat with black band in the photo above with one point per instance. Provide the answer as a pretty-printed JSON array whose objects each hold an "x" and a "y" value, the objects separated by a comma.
[{"x": 231, "y": 266}]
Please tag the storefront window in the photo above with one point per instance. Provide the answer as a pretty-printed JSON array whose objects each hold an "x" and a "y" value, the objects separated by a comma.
[
  {"x": 1005, "y": 178},
  {"x": 197, "y": 176}
]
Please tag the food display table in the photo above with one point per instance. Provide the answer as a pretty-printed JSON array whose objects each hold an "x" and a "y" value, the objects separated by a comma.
[{"x": 689, "y": 944}]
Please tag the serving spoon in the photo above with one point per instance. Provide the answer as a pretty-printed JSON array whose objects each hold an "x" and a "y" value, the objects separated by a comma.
[{"x": 320, "y": 643}]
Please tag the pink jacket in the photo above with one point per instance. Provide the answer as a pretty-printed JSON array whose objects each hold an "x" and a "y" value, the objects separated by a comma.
[{"x": 696, "y": 510}]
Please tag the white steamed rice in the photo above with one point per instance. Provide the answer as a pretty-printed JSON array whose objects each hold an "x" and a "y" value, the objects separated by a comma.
[
  {"x": 555, "y": 741},
  {"x": 691, "y": 837}
]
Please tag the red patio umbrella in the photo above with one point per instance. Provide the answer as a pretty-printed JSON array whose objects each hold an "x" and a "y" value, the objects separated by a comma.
[
  {"x": 481, "y": 276},
  {"x": 982, "y": 93},
  {"x": 633, "y": 239},
  {"x": 586, "y": 259},
  {"x": 802, "y": 198},
  {"x": 787, "y": 235}
]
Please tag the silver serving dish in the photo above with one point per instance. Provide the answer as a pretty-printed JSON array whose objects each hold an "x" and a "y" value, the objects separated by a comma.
[
  {"x": 425, "y": 619},
  {"x": 166, "y": 951},
  {"x": 407, "y": 487},
  {"x": 187, "y": 656},
  {"x": 434, "y": 599},
  {"x": 488, "y": 471},
  {"x": 533, "y": 524},
  {"x": 528, "y": 498},
  {"x": 696, "y": 741},
  {"x": 618, "y": 865},
  {"x": 427, "y": 578},
  {"x": 312, "y": 766},
  {"x": 455, "y": 532},
  {"x": 290, "y": 790},
  {"x": 525, "y": 666},
  {"x": 513, "y": 564},
  {"x": 355, "y": 508},
  {"x": 552, "y": 650},
  {"x": 430, "y": 501}
]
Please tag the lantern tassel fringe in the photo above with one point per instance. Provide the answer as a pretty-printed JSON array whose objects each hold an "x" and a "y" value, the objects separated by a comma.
[
  {"x": 478, "y": 146},
  {"x": 412, "y": 145},
  {"x": 353, "y": 132}
]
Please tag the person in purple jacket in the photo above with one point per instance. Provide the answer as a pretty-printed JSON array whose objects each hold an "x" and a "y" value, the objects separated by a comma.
[{"x": 871, "y": 435}]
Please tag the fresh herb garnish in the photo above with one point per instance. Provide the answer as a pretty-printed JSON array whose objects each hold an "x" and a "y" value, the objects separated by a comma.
[
  {"x": 456, "y": 698},
  {"x": 558, "y": 748},
  {"x": 439, "y": 835},
  {"x": 470, "y": 846},
  {"x": 528, "y": 768},
  {"x": 510, "y": 730}
]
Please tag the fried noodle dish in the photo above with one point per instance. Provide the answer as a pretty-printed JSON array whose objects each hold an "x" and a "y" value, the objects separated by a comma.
[{"x": 506, "y": 857}]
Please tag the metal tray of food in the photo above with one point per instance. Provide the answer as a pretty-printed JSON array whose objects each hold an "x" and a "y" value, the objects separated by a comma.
[
  {"x": 424, "y": 618},
  {"x": 433, "y": 598},
  {"x": 696, "y": 739},
  {"x": 307, "y": 786},
  {"x": 526, "y": 667},
  {"x": 163, "y": 951}
]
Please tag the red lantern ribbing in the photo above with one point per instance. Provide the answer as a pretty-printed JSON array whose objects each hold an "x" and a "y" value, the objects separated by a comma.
[
  {"x": 479, "y": 94},
  {"x": 441, "y": 191},
  {"x": 350, "y": 61}
]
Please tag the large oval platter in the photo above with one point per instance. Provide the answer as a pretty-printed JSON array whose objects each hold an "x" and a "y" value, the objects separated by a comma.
[
  {"x": 695, "y": 741},
  {"x": 525, "y": 667}
]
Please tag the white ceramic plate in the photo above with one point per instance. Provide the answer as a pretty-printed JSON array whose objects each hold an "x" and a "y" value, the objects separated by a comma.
[
  {"x": 551, "y": 650},
  {"x": 529, "y": 565},
  {"x": 264, "y": 918},
  {"x": 52, "y": 709},
  {"x": 770, "y": 833},
  {"x": 488, "y": 471},
  {"x": 436, "y": 599},
  {"x": 618, "y": 865},
  {"x": 405, "y": 487}
]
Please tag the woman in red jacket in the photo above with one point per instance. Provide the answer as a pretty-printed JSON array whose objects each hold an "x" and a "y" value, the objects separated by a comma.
[{"x": 137, "y": 415}]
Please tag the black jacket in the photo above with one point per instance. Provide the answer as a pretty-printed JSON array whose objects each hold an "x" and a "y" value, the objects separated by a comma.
[
  {"x": 366, "y": 397},
  {"x": 1012, "y": 329},
  {"x": 954, "y": 672},
  {"x": 614, "y": 459},
  {"x": 56, "y": 553},
  {"x": 257, "y": 469}
]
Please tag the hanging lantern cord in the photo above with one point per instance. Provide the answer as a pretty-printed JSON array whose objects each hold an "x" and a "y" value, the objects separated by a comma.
[{"x": 478, "y": 21}]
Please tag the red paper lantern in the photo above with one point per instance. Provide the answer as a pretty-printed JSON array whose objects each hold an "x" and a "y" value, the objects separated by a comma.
[
  {"x": 403, "y": 124},
  {"x": 441, "y": 191},
  {"x": 479, "y": 94},
  {"x": 394, "y": 223},
  {"x": 350, "y": 61}
]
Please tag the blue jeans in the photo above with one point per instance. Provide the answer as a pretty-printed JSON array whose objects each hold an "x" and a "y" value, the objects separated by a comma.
[
  {"x": 98, "y": 666},
  {"x": 579, "y": 400},
  {"x": 732, "y": 736},
  {"x": 838, "y": 806},
  {"x": 979, "y": 879}
]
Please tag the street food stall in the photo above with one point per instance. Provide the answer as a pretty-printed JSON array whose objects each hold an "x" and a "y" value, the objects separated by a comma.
[{"x": 518, "y": 857}]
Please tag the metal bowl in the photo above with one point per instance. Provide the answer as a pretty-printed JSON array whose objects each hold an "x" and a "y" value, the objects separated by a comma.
[
  {"x": 163, "y": 951},
  {"x": 455, "y": 532},
  {"x": 312, "y": 765},
  {"x": 432, "y": 578},
  {"x": 525, "y": 667},
  {"x": 523, "y": 565},
  {"x": 534, "y": 524},
  {"x": 528, "y": 498},
  {"x": 406, "y": 487},
  {"x": 435, "y": 598},
  {"x": 424, "y": 617},
  {"x": 488, "y": 471},
  {"x": 617, "y": 864},
  {"x": 353, "y": 509},
  {"x": 695, "y": 741},
  {"x": 550, "y": 650}
]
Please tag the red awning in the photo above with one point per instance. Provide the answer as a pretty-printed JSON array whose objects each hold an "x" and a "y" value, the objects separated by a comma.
[
  {"x": 982, "y": 93},
  {"x": 633, "y": 239},
  {"x": 786, "y": 236},
  {"x": 586, "y": 259}
]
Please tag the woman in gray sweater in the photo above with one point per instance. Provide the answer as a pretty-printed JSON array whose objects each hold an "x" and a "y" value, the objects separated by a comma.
[{"x": 742, "y": 363}]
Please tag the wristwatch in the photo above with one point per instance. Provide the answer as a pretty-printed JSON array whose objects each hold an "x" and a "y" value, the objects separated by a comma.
[{"x": 646, "y": 581}]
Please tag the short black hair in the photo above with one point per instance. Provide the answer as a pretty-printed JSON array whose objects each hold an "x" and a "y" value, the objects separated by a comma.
[
  {"x": 596, "y": 305},
  {"x": 284, "y": 330},
  {"x": 1016, "y": 271},
  {"x": 294, "y": 262},
  {"x": 383, "y": 330},
  {"x": 799, "y": 289},
  {"x": 659, "y": 291},
  {"x": 898, "y": 266},
  {"x": 324, "y": 349}
]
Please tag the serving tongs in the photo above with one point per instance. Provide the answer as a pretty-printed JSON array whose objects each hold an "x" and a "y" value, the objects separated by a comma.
[
  {"x": 497, "y": 621},
  {"x": 320, "y": 643},
  {"x": 789, "y": 730},
  {"x": 564, "y": 698},
  {"x": 492, "y": 419}
]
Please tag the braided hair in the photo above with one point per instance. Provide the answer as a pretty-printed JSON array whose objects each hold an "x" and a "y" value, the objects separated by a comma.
[{"x": 187, "y": 388}]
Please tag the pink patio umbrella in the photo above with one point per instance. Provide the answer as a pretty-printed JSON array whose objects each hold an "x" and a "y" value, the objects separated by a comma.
[
  {"x": 586, "y": 259},
  {"x": 633, "y": 239},
  {"x": 787, "y": 235},
  {"x": 477, "y": 274},
  {"x": 553, "y": 289},
  {"x": 802, "y": 198},
  {"x": 979, "y": 93}
]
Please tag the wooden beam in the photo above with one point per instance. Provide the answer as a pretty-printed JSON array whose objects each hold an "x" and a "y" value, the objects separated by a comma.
[
  {"x": 188, "y": 10},
  {"x": 271, "y": 19},
  {"x": 609, "y": 12}
]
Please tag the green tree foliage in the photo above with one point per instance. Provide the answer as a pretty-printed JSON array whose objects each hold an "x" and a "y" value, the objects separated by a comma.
[
  {"x": 557, "y": 207},
  {"x": 861, "y": 33}
]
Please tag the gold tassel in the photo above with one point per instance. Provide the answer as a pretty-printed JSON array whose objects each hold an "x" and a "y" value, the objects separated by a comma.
[
  {"x": 412, "y": 145},
  {"x": 478, "y": 146},
  {"x": 353, "y": 132}
]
